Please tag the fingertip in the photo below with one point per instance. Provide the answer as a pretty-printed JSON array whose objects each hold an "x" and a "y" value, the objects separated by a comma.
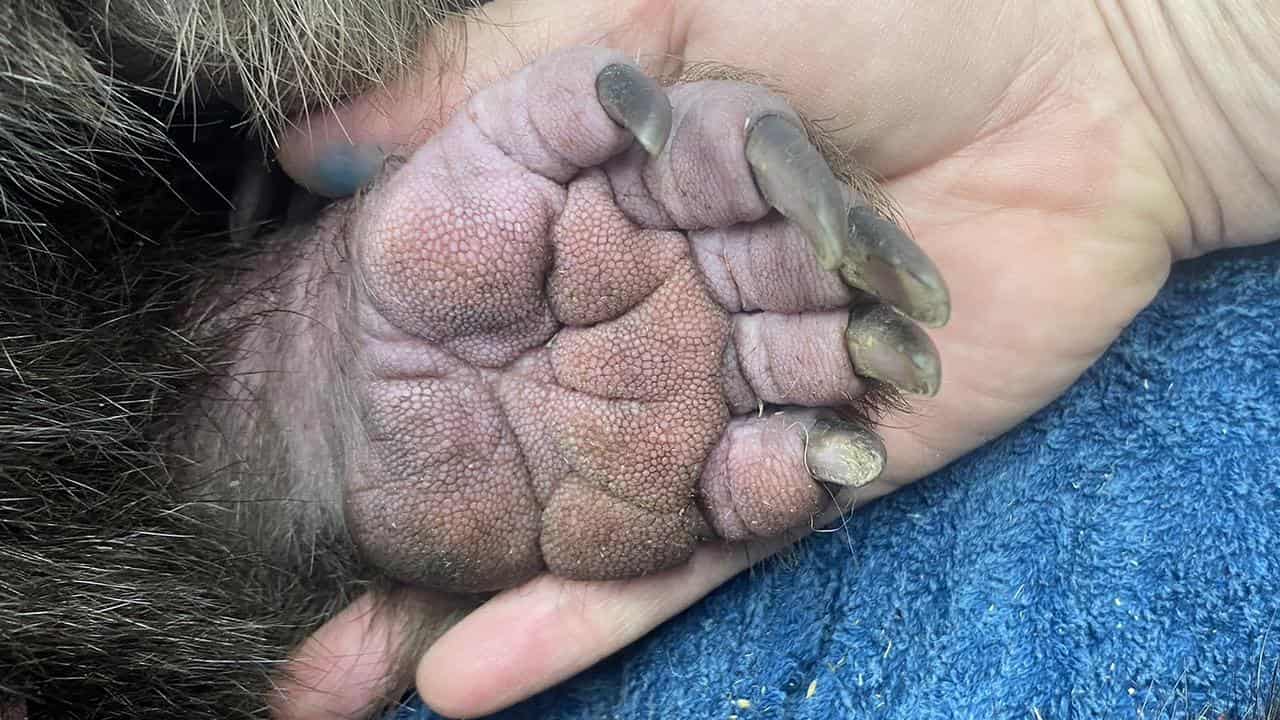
[
  {"x": 341, "y": 170},
  {"x": 335, "y": 151},
  {"x": 321, "y": 155},
  {"x": 498, "y": 656},
  {"x": 453, "y": 698}
]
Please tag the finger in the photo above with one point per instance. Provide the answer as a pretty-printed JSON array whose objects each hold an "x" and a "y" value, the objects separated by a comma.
[
  {"x": 572, "y": 109},
  {"x": 343, "y": 668},
  {"x": 784, "y": 355},
  {"x": 351, "y": 664},
  {"x": 529, "y": 638}
]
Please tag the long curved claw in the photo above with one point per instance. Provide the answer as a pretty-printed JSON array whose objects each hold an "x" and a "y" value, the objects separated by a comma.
[
  {"x": 795, "y": 179},
  {"x": 886, "y": 262},
  {"x": 636, "y": 102},
  {"x": 886, "y": 346},
  {"x": 844, "y": 454}
]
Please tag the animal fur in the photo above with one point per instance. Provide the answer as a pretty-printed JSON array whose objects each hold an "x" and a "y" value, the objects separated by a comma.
[{"x": 117, "y": 598}]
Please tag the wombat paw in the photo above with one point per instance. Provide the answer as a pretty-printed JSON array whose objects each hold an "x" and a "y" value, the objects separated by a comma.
[{"x": 569, "y": 308}]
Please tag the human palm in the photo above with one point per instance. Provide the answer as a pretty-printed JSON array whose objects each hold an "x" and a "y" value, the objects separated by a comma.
[{"x": 1016, "y": 148}]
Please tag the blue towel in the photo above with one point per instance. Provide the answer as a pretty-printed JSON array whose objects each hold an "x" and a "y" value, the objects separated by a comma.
[{"x": 1115, "y": 556}]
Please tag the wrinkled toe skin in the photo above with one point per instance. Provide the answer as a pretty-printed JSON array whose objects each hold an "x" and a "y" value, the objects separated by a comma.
[{"x": 553, "y": 311}]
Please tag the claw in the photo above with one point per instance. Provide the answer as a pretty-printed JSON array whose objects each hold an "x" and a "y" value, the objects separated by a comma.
[
  {"x": 886, "y": 262},
  {"x": 795, "y": 179},
  {"x": 886, "y": 346},
  {"x": 844, "y": 454},
  {"x": 636, "y": 102}
]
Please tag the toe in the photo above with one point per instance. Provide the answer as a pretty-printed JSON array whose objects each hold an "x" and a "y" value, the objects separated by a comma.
[
  {"x": 777, "y": 359},
  {"x": 824, "y": 359},
  {"x": 570, "y": 110},
  {"x": 761, "y": 479},
  {"x": 766, "y": 265}
]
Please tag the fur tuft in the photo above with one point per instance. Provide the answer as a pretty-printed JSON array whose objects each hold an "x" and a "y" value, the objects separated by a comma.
[{"x": 123, "y": 130}]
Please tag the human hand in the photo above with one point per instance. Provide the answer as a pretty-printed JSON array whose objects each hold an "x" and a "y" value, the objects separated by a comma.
[{"x": 1029, "y": 153}]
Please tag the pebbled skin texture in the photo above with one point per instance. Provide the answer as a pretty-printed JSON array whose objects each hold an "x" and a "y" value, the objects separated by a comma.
[{"x": 545, "y": 364}]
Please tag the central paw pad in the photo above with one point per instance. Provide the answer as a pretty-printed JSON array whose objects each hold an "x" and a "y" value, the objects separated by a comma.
[{"x": 568, "y": 308}]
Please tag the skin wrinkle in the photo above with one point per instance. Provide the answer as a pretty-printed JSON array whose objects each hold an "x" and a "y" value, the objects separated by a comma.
[
  {"x": 397, "y": 208},
  {"x": 1202, "y": 113},
  {"x": 740, "y": 353},
  {"x": 1218, "y": 212},
  {"x": 1139, "y": 74},
  {"x": 522, "y": 453},
  {"x": 728, "y": 489},
  {"x": 1259, "y": 57},
  {"x": 341, "y": 364},
  {"x": 735, "y": 292},
  {"x": 1225, "y": 32}
]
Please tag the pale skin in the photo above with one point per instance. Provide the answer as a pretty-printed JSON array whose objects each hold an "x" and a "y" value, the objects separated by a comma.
[{"x": 1053, "y": 159}]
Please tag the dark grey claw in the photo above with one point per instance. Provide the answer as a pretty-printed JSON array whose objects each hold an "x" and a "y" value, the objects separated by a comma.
[
  {"x": 844, "y": 454},
  {"x": 636, "y": 102},
  {"x": 886, "y": 346},
  {"x": 796, "y": 180},
  {"x": 886, "y": 262}
]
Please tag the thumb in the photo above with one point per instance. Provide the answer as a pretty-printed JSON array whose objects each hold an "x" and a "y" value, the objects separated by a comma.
[
  {"x": 335, "y": 151},
  {"x": 896, "y": 93}
]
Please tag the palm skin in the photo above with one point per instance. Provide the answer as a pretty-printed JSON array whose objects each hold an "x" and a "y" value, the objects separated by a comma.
[{"x": 1020, "y": 153}]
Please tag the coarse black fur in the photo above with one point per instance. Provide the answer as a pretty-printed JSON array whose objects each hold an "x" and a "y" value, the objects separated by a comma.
[{"x": 117, "y": 598}]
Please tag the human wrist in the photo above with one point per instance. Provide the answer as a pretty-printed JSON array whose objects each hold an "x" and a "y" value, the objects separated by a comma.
[{"x": 1210, "y": 74}]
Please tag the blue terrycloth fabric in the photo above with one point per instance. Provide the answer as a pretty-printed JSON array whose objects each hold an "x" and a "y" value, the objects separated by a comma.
[{"x": 1116, "y": 556}]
